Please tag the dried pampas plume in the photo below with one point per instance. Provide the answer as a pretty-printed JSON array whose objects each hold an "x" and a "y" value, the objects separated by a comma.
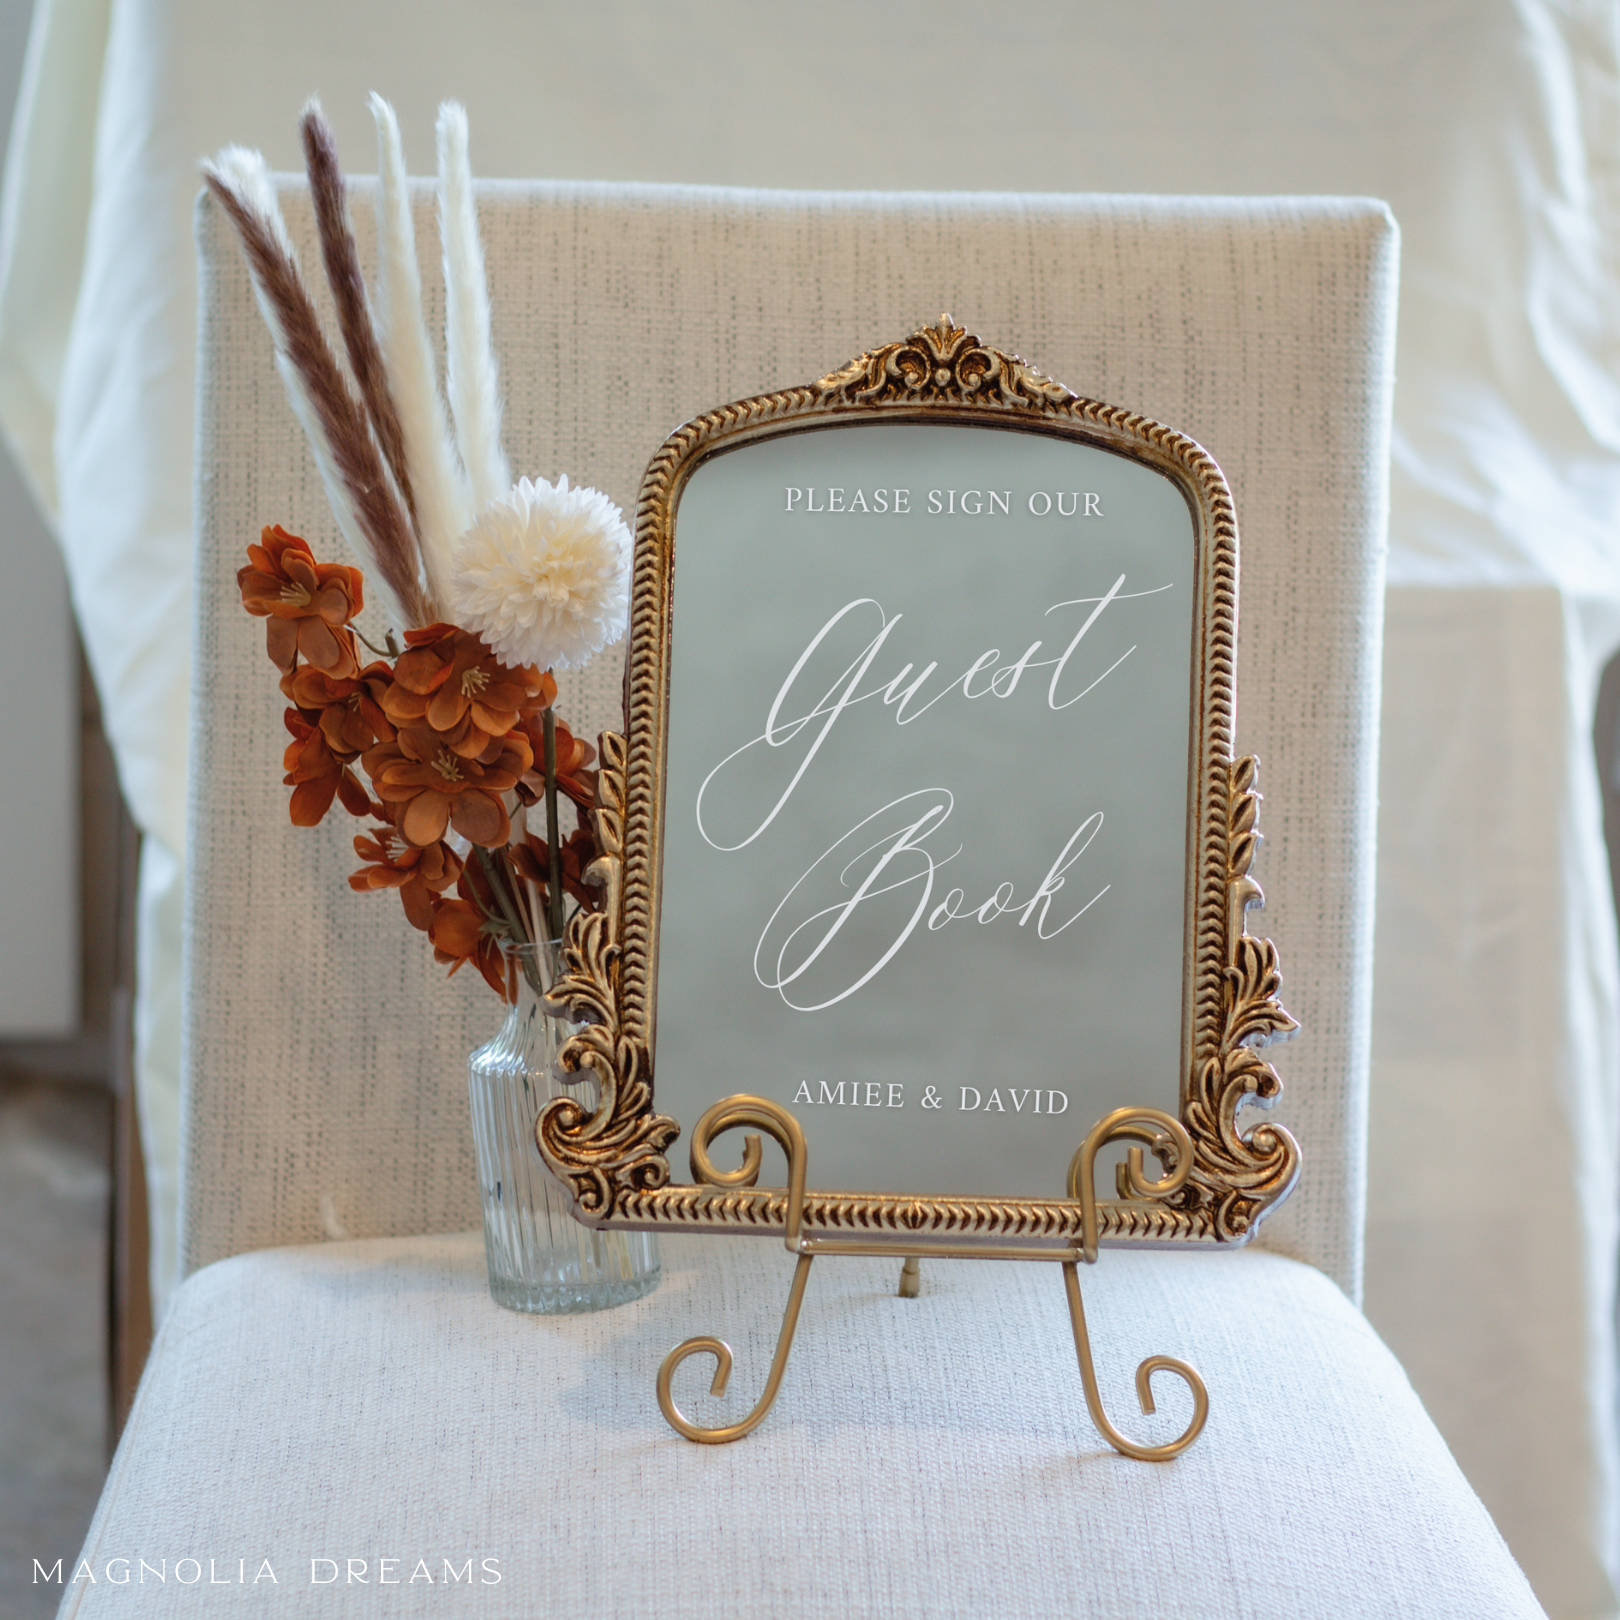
[
  {"x": 542, "y": 572},
  {"x": 342, "y": 261},
  {"x": 471, "y": 378},
  {"x": 361, "y": 493},
  {"x": 443, "y": 502}
]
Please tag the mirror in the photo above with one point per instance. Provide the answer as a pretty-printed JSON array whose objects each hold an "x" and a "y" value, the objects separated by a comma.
[{"x": 926, "y": 782}]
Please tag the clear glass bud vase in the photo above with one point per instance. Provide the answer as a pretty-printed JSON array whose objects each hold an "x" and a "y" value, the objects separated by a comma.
[{"x": 540, "y": 1258}]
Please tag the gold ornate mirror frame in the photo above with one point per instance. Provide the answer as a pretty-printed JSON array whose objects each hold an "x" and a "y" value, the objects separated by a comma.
[{"x": 1221, "y": 1175}]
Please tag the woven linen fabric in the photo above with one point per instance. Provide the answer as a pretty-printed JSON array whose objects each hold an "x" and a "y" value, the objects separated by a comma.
[
  {"x": 908, "y": 1467},
  {"x": 324, "y": 1059}
]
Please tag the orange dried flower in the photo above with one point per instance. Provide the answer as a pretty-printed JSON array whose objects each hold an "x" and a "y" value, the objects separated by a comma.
[
  {"x": 349, "y": 712},
  {"x": 574, "y": 754},
  {"x": 431, "y": 787},
  {"x": 449, "y": 681},
  {"x": 445, "y": 734},
  {"x": 317, "y": 776},
  {"x": 418, "y": 874},
  {"x": 531, "y": 860},
  {"x": 459, "y": 936},
  {"x": 308, "y": 604}
]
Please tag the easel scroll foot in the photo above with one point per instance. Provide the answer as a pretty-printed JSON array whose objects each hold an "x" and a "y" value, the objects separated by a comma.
[
  {"x": 1144, "y": 1391},
  {"x": 721, "y": 1351}
]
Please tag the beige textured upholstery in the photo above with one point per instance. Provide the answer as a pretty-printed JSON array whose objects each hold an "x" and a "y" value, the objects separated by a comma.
[
  {"x": 317, "y": 1404},
  {"x": 324, "y": 1091},
  {"x": 927, "y": 1458}
]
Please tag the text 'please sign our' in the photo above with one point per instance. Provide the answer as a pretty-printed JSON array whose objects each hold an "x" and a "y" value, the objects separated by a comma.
[{"x": 881, "y": 502}]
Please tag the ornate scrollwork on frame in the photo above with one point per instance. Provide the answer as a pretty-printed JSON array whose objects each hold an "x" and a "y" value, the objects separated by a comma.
[
  {"x": 1236, "y": 1176},
  {"x": 617, "y": 1146},
  {"x": 612, "y": 1152}
]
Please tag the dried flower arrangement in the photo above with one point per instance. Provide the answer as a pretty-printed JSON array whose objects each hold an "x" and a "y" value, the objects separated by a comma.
[{"x": 495, "y": 585}]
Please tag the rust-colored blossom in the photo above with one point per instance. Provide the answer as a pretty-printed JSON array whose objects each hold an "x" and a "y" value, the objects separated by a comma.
[
  {"x": 447, "y": 734},
  {"x": 459, "y": 936},
  {"x": 430, "y": 787},
  {"x": 531, "y": 860},
  {"x": 574, "y": 755},
  {"x": 418, "y": 874},
  {"x": 448, "y": 680},
  {"x": 308, "y": 604},
  {"x": 317, "y": 776},
  {"x": 349, "y": 712}
]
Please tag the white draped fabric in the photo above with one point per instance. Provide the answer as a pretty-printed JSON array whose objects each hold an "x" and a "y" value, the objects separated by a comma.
[{"x": 1492, "y": 129}]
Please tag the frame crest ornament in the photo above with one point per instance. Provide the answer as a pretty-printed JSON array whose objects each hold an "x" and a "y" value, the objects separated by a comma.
[{"x": 614, "y": 1155}]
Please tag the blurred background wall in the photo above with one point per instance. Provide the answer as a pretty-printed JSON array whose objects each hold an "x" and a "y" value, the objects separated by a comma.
[{"x": 59, "y": 822}]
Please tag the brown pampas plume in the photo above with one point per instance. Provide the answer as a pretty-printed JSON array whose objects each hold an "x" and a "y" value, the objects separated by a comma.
[
  {"x": 363, "y": 499},
  {"x": 342, "y": 261}
]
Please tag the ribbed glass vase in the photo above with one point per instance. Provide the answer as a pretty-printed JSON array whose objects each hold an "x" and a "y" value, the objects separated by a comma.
[{"x": 540, "y": 1258}]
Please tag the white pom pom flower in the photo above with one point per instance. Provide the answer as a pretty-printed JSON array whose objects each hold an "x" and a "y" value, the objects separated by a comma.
[{"x": 544, "y": 575}]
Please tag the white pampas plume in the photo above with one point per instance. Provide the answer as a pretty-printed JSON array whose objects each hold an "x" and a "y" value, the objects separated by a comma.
[
  {"x": 544, "y": 575},
  {"x": 245, "y": 172},
  {"x": 444, "y": 505},
  {"x": 471, "y": 374}
]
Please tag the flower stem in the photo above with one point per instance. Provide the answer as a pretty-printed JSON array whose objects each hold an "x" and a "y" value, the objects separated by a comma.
[
  {"x": 554, "y": 898},
  {"x": 494, "y": 871},
  {"x": 371, "y": 646}
]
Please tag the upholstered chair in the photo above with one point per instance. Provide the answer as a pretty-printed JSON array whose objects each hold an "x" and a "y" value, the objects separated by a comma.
[{"x": 334, "y": 1391}]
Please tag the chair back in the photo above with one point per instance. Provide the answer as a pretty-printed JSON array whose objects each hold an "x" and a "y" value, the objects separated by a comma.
[{"x": 324, "y": 1064}]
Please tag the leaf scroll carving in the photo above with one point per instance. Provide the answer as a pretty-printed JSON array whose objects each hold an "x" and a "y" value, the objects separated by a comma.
[
  {"x": 619, "y": 1146},
  {"x": 1238, "y": 1174}
]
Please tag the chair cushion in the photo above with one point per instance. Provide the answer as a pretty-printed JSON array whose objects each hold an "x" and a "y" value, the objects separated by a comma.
[{"x": 928, "y": 1457}]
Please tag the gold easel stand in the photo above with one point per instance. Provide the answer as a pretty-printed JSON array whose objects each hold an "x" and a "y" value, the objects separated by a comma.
[{"x": 1158, "y": 1131}]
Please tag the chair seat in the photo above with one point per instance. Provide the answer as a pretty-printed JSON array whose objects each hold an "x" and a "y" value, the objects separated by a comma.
[{"x": 367, "y": 1401}]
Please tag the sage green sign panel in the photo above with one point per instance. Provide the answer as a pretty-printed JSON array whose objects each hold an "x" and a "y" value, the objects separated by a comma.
[{"x": 925, "y": 827}]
